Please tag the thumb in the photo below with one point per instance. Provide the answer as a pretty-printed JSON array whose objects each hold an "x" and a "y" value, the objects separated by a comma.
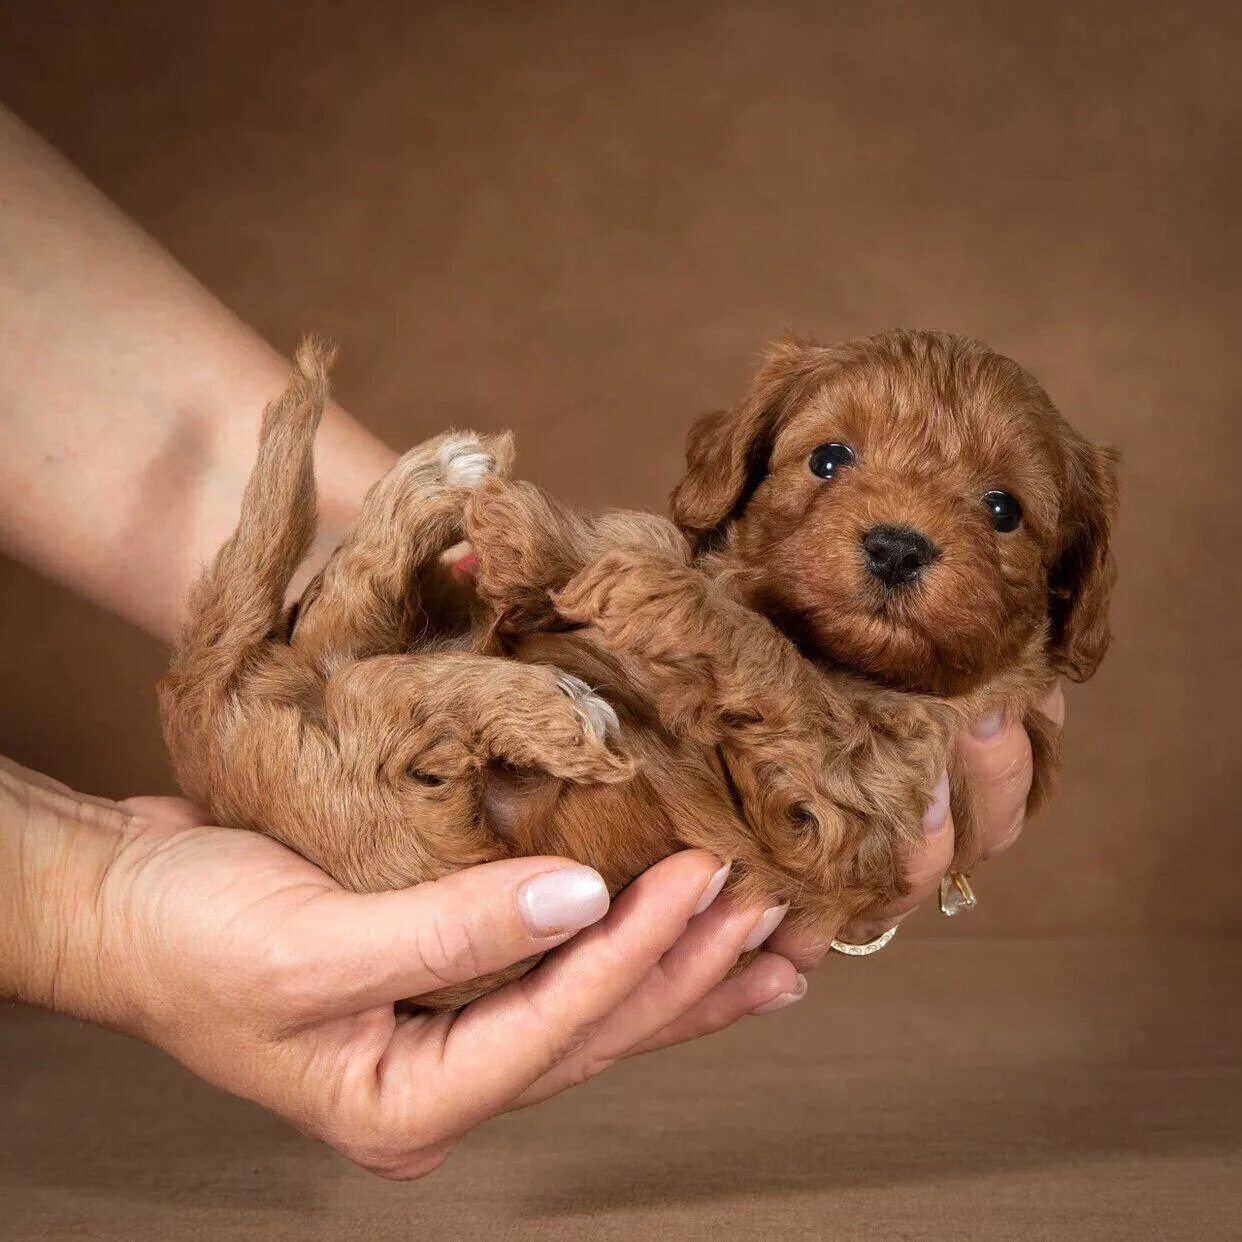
[{"x": 387, "y": 946}]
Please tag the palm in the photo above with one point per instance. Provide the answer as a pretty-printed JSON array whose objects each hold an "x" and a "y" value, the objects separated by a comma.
[{"x": 221, "y": 891}]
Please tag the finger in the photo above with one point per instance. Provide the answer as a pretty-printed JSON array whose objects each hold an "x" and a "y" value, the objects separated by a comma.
[
  {"x": 369, "y": 949},
  {"x": 804, "y": 948},
  {"x": 769, "y": 982},
  {"x": 501, "y": 1044},
  {"x": 924, "y": 868},
  {"x": 28, "y": 782},
  {"x": 697, "y": 962},
  {"x": 170, "y": 813},
  {"x": 996, "y": 753},
  {"x": 1053, "y": 705}
]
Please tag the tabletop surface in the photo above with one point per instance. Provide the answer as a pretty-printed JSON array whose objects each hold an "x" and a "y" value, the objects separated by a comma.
[{"x": 948, "y": 1088}]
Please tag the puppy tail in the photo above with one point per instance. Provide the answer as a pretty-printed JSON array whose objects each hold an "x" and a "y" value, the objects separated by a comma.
[{"x": 237, "y": 602}]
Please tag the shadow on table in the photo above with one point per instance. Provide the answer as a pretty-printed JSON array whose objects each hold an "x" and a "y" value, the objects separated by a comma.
[{"x": 1055, "y": 1063}]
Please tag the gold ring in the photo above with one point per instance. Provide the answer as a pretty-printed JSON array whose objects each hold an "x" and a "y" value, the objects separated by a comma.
[
  {"x": 956, "y": 894},
  {"x": 863, "y": 950}
]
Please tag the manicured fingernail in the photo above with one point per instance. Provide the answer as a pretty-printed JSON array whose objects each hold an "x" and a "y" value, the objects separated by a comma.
[
  {"x": 938, "y": 807},
  {"x": 562, "y": 901},
  {"x": 769, "y": 921},
  {"x": 714, "y": 885},
  {"x": 988, "y": 727},
  {"x": 785, "y": 999}
]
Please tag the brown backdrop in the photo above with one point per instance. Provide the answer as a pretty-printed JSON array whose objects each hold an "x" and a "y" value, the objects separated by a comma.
[{"x": 582, "y": 222}]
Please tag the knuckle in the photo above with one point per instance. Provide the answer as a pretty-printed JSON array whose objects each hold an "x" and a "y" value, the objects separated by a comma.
[
  {"x": 669, "y": 982},
  {"x": 1005, "y": 838},
  {"x": 587, "y": 1066},
  {"x": 561, "y": 1043},
  {"x": 1013, "y": 774},
  {"x": 447, "y": 950},
  {"x": 1007, "y": 766},
  {"x": 612, "y": 956},
  {"x": 772, "y": 972},
  {"x": 571, "y": 1046}
]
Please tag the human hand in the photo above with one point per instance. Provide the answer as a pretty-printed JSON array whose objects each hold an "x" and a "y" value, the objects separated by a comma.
[
  {"x": 262, "y": 975},
  {"x": 997, "y": 756}
]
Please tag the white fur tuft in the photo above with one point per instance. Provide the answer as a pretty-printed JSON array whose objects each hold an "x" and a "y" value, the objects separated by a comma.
[
  {"x": 598, "y": 714},
  {"x": 466, "y": 462}
]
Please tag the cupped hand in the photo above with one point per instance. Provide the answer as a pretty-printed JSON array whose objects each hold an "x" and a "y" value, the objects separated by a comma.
[
  {"x": 262, "y": 975},
  {"x": 997, "y": 757}
]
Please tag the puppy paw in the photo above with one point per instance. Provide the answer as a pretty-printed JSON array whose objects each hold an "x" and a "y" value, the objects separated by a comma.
[
  {"x": 555, "y": 722},
  {"x": 598, "y": 715},
  {"x": 457, "y": 459},
  {"x": 464, "y": 460},
  {"x": 600, "y": 591},
  {"x": 516, "y": 532},
  {"x": 634, "y": 600}
]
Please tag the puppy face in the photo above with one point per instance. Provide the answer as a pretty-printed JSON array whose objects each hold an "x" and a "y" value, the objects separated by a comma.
[{"x": 911, "y": 506}]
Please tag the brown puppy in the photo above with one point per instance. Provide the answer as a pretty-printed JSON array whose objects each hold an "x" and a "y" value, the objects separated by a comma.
[
  {"x": 912, "y": 507},
  {"x": 392, "y": 732}
]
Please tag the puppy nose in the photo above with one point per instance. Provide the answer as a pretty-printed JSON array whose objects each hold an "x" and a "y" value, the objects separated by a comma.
[{"x": 897, "y": 554}]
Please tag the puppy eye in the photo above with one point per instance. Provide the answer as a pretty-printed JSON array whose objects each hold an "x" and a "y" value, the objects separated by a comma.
[
  {"x": 428, "y": 779},
  {"x": 827, "y": 459},
  {"x": 1005, "y": 510}
]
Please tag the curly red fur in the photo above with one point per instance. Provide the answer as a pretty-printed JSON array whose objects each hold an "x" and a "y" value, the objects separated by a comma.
[{"x": 620, "y": 686}]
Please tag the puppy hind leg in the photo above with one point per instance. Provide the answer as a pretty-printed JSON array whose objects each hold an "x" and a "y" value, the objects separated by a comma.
[
  {"x": 528, "y": 716},
  {"x": 368, "y": 598},
  {"x": 535, "y": 716},
  {"x": 236, "y": 603}
]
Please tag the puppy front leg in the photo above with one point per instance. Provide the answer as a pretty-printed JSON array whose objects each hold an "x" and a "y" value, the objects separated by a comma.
[
  {"x": 715, "y": 667},
  {"x": 806, "y": 761},
  {"x": 530, "y": 545}
]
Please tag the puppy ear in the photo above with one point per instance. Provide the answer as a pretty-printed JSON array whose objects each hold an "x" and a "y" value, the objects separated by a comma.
[
  {"x": 1081, "y": 581},
  {"x": 727, "y": 453}
]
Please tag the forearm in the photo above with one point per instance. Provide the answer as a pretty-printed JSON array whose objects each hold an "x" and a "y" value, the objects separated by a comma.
[
  {"x": 57, "y": 852},
  {"x": 129, "y": 400}
]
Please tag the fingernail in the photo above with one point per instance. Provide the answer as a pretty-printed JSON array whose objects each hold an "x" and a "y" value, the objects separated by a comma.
[
  {"x": 714, "y": 885},
  {"x": 938, "y": 807},
  {"x": 785, "y": 999},
  {"x": 988, "y": 727},
  {"x": 562, "y": 901},
  {"x": 769, "y": 921}
]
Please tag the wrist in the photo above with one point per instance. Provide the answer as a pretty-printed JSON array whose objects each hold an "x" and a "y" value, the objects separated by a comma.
[{"x": 57, "y": 852}]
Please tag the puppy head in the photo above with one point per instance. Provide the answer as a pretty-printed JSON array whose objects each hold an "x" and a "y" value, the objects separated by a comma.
[{"x": 911, "y": 506}]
